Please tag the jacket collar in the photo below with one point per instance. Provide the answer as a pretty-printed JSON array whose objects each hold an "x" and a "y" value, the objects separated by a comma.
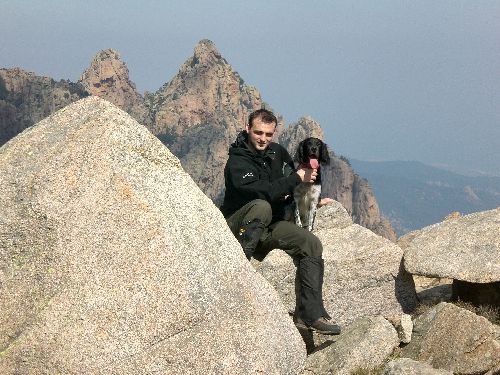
[{"x": 242, "y": 143}]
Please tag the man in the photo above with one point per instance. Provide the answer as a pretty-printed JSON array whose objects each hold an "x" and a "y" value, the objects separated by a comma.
[{"x": 260, "y": 178}]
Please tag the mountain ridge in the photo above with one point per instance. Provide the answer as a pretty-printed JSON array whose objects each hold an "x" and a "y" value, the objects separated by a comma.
[
  {"x": 412, "y": 194},
  {"x": 196, "y": 114}
]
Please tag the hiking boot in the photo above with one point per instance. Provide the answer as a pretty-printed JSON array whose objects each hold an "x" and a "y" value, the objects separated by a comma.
[{"x": 320, "y": 325}]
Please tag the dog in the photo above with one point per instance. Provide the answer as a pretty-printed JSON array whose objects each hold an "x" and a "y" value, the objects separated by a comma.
[{"x": 311, "y": 153}]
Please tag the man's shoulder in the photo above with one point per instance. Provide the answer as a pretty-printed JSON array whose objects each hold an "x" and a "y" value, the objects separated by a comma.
[
  {"x": 239, "y": 157},
  {"x": 278, "y": 149},
  {"x": 273, "y": 146},
  {"x": 239, "y": 152}
]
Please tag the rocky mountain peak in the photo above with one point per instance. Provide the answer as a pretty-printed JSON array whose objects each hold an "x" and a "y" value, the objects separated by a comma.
[
  {"x": 198, "y": 113},
  {"x": 206, "y": 90},
  {"x": 26, "y": 98},
  {"x": 205, "y": 52},
  {"x": 108, "y": 54},
  {"x": 304, "y": 128},
  {"x": 108, "y": 77}
]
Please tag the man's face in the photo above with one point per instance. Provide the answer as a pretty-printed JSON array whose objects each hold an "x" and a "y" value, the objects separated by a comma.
[{"x": 260, "y": 134}]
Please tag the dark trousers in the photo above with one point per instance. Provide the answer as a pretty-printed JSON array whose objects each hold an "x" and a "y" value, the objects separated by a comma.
[
  {"x": 303, "y": 246},
  {"x": 294, "y": 240}
]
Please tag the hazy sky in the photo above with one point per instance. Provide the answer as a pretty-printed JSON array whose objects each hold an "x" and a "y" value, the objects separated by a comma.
[{"x": 387, "y": 80}]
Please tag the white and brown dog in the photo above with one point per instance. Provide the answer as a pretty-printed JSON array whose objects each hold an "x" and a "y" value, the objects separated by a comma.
[{"x": 311, "y": 153}]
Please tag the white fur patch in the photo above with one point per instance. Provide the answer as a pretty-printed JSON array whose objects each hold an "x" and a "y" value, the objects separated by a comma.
[{"x": 306, "y": 196}]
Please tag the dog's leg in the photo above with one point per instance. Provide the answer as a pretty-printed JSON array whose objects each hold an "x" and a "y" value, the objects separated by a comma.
[
  {"x": 297, "y": 213},
  {"x": 313, "y": 206},
  {"x": 311, "y": 215},
  {"x": 312, "y": 218}
]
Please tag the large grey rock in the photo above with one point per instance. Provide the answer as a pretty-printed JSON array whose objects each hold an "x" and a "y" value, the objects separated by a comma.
[
  {"x": 113, "y": 261},
  {"x": 364, "y": 275},
  {"x": 455, "y": 339},
  {"x": 465, "y": 248},
  {"x": 333, "y": 215},
  {"x": 365, "y": 344},
  {"x": 363, "y": 272},
  {"x": 407, "y": 366}
]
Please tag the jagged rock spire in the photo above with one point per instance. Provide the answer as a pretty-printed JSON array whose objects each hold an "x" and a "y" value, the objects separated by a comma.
[
  {"x": 108, "y": 53},
  {"x": 108, "y": 77},
  {"x": 205, "y": 52},
  {"x": 304, "y": 128},
  {"x": 198, "y": 113},
  {"x": 206, "y": 90}
]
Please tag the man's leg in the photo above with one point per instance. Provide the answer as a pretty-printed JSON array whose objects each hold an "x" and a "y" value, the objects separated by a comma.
[
  {"x": 249, "y": 223},
  {"x": 306, "y": 250}
]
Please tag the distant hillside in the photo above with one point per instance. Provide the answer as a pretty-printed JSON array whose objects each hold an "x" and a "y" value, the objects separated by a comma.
[{"x": 413, "y": 195}]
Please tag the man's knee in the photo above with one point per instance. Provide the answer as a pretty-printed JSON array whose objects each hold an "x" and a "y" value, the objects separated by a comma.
[
  {"x": 313, "y": 246},
  {"x": 260, "y": 209},
  {"x": 295, "y": 240},
  {"x": 309, "y": 244}
]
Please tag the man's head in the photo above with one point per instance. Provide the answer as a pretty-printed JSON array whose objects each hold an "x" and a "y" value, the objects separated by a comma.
[{"x": 260, "y": 128}]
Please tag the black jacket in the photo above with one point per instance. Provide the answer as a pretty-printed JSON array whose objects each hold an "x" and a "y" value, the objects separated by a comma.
[{"x": 252, "y": 175}]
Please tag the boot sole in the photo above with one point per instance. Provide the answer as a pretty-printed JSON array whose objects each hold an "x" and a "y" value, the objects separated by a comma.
[
  {"x": 329, "y": 333},
  {"x": 312, "y": 329}
]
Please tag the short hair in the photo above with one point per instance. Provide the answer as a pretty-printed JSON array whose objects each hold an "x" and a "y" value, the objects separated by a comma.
[{"x": 264, "y": 115}]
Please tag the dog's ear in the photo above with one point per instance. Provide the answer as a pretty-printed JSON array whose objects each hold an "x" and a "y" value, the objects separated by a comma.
[
  {"x": 324, "y": 155},
  {"x": 299, "y": 156}
]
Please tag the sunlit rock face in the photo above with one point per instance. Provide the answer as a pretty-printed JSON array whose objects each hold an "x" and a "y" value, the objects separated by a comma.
[{"x": 113, "y": 261}]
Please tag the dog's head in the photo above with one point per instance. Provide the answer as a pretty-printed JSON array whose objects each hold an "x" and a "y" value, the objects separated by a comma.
[{"x": 312, "y": 148}]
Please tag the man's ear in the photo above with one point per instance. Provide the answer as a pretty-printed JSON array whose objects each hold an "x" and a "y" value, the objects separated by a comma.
[{"x": 247, "y": 128}]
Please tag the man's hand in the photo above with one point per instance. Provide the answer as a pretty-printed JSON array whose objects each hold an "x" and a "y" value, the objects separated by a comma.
[
  {"x": 307, "y": 175},
  {"x": 324, "y": 202}
]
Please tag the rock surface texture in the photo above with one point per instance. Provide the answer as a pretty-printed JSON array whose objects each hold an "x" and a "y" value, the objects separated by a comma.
[
  {"x": 407, "y": 366},
  {"x": 404, "y": 327},
  {"x": 467, "y": 248},
  {"x": 363, "y": 271},
  {"x": 365, "y": 344},
  {"x": 455, "y": 339},
  {"x": 113, "y": 261}
]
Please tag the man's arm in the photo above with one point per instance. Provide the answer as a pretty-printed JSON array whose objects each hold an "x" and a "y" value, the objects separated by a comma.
[{"x": 247, "y": 180}]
